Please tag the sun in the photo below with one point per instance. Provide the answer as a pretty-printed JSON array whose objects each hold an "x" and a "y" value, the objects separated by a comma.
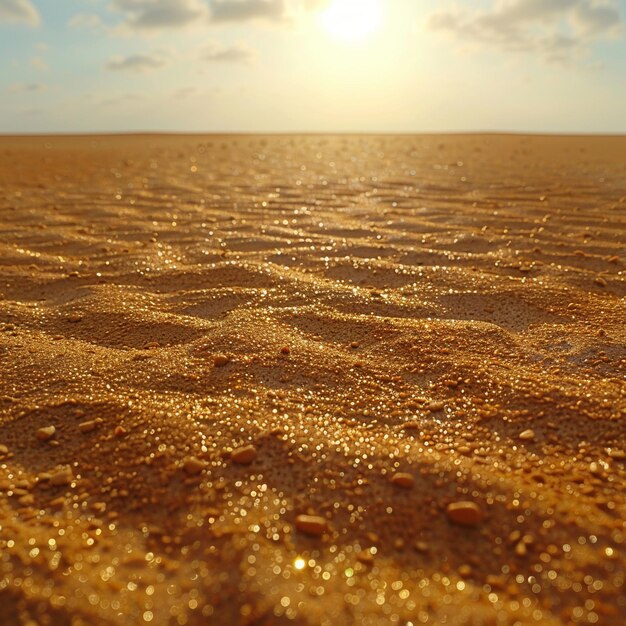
[{"x": 352, "y": 20}]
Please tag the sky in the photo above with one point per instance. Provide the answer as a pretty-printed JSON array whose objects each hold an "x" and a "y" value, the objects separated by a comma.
[{"x": 313, "y": 66}]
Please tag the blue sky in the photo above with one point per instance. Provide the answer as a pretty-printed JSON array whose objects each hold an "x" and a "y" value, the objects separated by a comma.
[{"x": 312, "y": 65}]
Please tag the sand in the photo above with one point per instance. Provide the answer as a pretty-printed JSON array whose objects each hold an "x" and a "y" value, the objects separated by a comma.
[{"x": 312, "y": 380}]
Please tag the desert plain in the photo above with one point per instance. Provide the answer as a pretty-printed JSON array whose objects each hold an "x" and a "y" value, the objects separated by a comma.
[{"x": 312, "y": 380}]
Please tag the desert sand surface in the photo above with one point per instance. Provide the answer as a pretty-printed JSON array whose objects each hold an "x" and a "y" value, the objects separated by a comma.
[{"x": 312, "y": 380}]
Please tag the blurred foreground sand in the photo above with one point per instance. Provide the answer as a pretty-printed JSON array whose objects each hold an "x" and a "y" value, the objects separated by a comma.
[{"x": 418, "y": 341}]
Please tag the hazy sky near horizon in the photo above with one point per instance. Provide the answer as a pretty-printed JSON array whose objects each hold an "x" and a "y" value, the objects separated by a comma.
[{"x": 312, "y": 65}]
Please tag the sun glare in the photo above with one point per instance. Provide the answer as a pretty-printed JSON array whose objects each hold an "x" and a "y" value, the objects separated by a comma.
[{"x": 352, "y": 20}]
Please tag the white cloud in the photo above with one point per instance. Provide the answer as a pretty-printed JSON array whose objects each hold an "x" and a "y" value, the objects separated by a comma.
[
  {"x": 557, "y": 30},
  {"x": 21, "y": 11},
  {"x": 135, "y": 63},
  {"x": 39, "y": 63},
  {"x": 158, "y": 14},
  {"x": 26, "y": 87},
  {"x": 86, "y": 20},
  {"x": 241, "y": 10},
  {"x": 237, "y": 53},
  {"x": 123, "y": 99},
  {"x": 149, "y": 16},
  {"x": 167, "y": 14}
]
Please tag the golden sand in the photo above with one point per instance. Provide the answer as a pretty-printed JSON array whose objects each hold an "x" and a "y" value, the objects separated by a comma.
[{"x": 312, "y": 380}]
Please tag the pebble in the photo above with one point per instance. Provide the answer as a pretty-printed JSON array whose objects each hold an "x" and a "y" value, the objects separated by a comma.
[
  {"x": 244, "y": 455},
  {"x": 527, "y": 435},
  {"x": 88, "y": 426},
  {"x": 45, "y": 433},
  {"x": 3, "y": 449},
  {"x": 311, "y": 524},
  {"x": 193, "y": 465},
  {"x": 404, "y": 480},
  {"x": 75, "y": 317},
  {"x": 285, "y": 350},
  {"x": 465, "y": 513},
  {"x": 598, "y": 280},
  {"x": 421, "y": 546},
  {"x": 220, "y": 360}
]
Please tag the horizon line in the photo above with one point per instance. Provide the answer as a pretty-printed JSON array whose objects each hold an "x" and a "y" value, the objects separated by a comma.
[{"x": 152, "y": 133}]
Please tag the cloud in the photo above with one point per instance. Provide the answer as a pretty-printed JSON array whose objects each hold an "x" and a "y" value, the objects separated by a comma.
[
  {"x": 557, "y": 30},
  {"x": 123, "y": 99},
  {"x": 157, "y": 14},
  {"x": 39, "y": 63},
  {"x": 86, "y": 20},
  {"x": 26, "y": 87},
  {"x": 19, "y": 11},
  {"x": 242, "y": 10},
  {"x": 135, "y": 63},
  {"x": 237, "y": 53},
  {"x": 153, "y": 15},
  {"x": 185, "y": 92}
]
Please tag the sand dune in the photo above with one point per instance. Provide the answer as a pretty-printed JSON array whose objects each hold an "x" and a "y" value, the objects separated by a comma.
[{"x": 312, "y": 380}]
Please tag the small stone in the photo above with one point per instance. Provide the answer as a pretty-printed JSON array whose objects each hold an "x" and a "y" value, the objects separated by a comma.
[
  {"x": 285, "y": 350},
  {"x": 193, "y": 465},
  {"x": 119, "y": 431},
  {"x": 465, "y": 513},
  {"x": 527, "y": 435},
  {"x": 220, "y": 360},
  {"x": 151, "y": 345},
  {"x": 421, "y": 546},
  {"x": 63, "y": 476},
  {"x": 45, "y": 433},
  {"x": 75, "y": 317},
  {"x": 404, "y": 480},
  {"x": 3, "y": 449},
  {"x": 89, "y": 425},
  {"x": 311, "y": 524},
  {"x": 598, "y": 280},
  {"x": 354, "y": 345},
  {"x": 244, "y": 455}
]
